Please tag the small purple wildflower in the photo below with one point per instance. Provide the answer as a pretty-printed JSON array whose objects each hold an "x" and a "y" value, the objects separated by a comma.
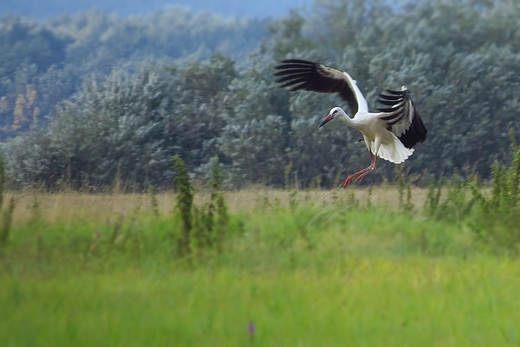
[{"x": 251, "y": 329}]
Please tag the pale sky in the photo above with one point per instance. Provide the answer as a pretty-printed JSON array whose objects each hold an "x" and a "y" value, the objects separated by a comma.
[{"x": 226, "y": 8}]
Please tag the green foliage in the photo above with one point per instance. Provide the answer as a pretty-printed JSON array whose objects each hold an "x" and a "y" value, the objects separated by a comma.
[
  {"x": 498, "y": 222},
  {"x": 460, "y": 59},
  {"x": 35, "y": 43},
  {"x": 2, "y": 181},
  {"x": 431, "y": 204},
  {"x": 7, "y": 216},
  {"x": 7, "y": 221},
  {"x": 212, "y": 220},
  {"x": 184, "y": 205},
  {"x": 455, "y": 205},
  {"x": 126, "y": 128},
  {"x": 54, "y": 57},
  {"x": 201, "y": 228},
  {"x": 404, "y": 187},
  {"x": 288, "y": 35},
  {"x": 153, "y": 199},
  {"x": 217, "y": 199}
]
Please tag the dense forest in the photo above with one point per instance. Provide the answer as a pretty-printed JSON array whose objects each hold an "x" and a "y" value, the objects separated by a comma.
[{"x": 91, "y": 99}]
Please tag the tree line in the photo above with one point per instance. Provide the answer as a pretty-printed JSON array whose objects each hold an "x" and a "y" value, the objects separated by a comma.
[
  {"x": 45, "y": 62},
  {"x": 460, "y": 59}
]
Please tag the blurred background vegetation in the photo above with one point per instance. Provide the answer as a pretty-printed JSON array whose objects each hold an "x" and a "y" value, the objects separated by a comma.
[{"x": 90, "y": 99}]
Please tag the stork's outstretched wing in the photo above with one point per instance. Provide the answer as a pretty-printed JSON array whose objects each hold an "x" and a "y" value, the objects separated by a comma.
[
  {"x": 402, "y": 117},
  {"x": 302, "y": 74}
]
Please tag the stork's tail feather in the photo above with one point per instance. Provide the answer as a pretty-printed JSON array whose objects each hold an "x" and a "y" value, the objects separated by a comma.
[{"x": 394, "y": 152}]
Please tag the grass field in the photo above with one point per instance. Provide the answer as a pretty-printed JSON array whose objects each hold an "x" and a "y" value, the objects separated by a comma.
[
  {"x": 315, "y": 268},
  {"x": 66, "y": 205}
]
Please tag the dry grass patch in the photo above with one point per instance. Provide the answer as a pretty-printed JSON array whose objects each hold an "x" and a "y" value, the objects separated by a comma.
[{"x": 64, "y": 205}]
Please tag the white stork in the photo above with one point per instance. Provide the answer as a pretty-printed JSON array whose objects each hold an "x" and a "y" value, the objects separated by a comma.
[{"x": 390, "y": 133}]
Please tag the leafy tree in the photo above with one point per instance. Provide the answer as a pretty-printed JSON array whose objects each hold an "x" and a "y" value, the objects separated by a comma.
[
  {"x": 54, "y": 57},
  {"x": 126, "y": 128},
  {"x": 33, "y": 43},
  {"x": 460, "y": 59},
  {"x": 256, "y": 134}
]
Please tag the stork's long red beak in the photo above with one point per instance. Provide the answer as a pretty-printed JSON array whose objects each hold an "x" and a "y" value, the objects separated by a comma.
[{"x": 326, "y": 120}]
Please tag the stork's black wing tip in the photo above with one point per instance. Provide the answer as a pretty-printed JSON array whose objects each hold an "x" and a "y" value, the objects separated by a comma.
[{"x": 296, "y": 61}]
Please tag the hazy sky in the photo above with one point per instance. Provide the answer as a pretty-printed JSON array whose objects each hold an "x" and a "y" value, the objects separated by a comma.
[
  {"x": 227, "y": 8},
  {"x": 261, "y": 8}
]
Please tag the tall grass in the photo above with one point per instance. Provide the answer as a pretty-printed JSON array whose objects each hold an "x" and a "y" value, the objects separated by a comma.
[
  {"x": 498, "y": 220},
  {"x": 7, "y": 215},
  {"x": 312, "y": 274},
  {"x": 356, "y": 301},
  {"x": 268, "y": 268}
]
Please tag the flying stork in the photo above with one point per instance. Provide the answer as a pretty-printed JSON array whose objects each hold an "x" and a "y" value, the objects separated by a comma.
[{"x": 390, "y": 133}]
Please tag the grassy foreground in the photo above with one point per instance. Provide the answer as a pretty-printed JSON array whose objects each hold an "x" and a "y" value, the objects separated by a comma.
[{"x": 323, "y": 272}]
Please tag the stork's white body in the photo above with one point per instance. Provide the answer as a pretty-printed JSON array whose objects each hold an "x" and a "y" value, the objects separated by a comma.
[{"x": 378, "y": 139}]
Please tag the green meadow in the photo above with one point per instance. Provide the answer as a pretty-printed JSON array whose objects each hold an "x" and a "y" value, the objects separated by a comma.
[{"x": 357, "y": 267}]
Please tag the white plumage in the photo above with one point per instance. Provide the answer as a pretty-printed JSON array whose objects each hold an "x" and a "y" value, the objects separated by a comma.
[{"x": 389, "y": 134}]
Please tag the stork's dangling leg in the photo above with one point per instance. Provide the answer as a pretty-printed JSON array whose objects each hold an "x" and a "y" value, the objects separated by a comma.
[
  {"x": 362, "y": 173},
  {"x": 373, "y": 160},
  {"x": 372, "y": 167}
]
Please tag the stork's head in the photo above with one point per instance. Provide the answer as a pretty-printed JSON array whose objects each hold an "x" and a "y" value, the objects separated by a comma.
[{"x": 332, "y": 114}]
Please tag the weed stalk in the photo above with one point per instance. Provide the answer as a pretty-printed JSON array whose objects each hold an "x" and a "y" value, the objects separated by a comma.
[
  {"x": 184, "y": 204},
  {"x": 7, "y": 222},
  {"x": 153, "y": 200}
]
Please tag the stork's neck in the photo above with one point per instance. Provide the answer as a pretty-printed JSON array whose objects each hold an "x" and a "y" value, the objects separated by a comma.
[{"x": 342, "y": 116}]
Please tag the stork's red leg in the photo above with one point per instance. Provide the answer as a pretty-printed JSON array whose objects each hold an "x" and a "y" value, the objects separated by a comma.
[
  {"x": 371, "y": 168},
  {"x": 362, "y": 173},
  {"x": 359, "y": 173}
]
